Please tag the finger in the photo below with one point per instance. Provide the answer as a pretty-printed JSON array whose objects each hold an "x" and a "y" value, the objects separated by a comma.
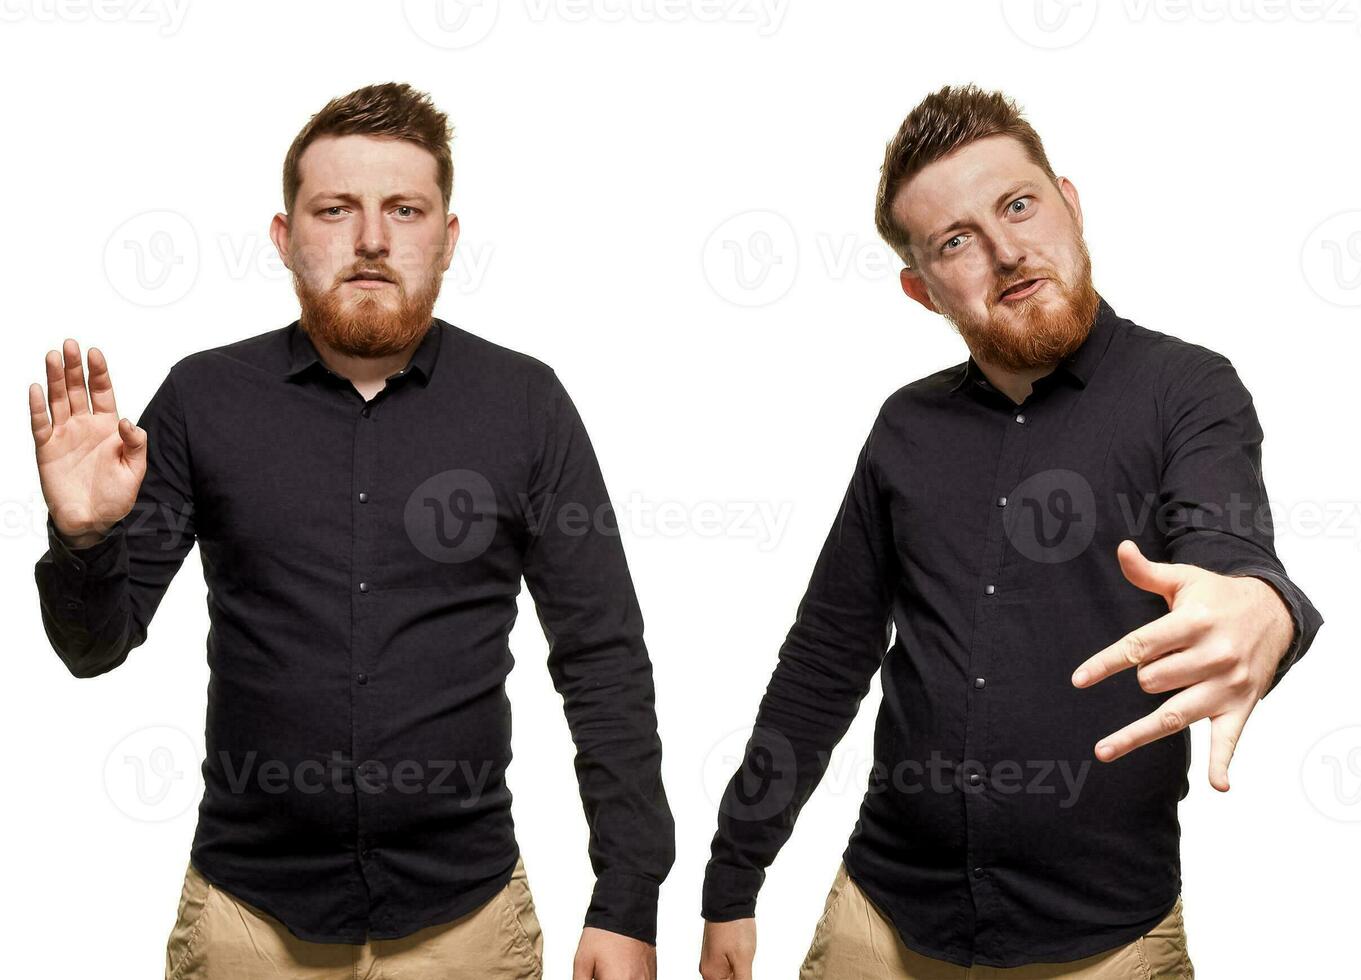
[
  {"x": 134, "y": 441},
  {"x": 57, "y": 402},
  {"x": 583, "y": 969},
  {"x": 1174, "y": 714},
  {"x": 1164, "y": 578},
  {"x": 101, "y": 384},
  {"x": 1225, "y": 731},
  {"x": 1172, "y": 631},
  {"x": 37, "y": 410},
  {"x": 1175, "y": 670},
  {"x": 75, "y": 379}
]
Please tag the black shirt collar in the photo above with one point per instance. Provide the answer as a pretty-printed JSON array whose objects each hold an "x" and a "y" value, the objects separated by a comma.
[{"x": 302, "y": 353}]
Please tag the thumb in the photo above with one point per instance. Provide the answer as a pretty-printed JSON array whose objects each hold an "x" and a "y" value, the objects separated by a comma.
[
  {"x": 134, "y": 442},
  {"x": 1164, "y": 578},
  {"x": 583, "y": 968}
]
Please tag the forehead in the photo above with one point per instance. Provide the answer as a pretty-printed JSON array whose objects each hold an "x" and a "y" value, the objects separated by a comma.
[
  {"x": 969, "y": 178},
  {"x": 355, "y": 164}
]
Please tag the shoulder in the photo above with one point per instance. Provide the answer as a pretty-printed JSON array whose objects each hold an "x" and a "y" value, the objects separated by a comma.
[
  {"x": 1168, "y": 357},
  {"x": 486, "y": 356}
]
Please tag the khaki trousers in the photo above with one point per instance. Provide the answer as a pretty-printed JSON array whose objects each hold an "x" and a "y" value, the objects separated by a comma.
[
  {"x": 855, "y": 941},
  {"x": 219, "y": 937}
]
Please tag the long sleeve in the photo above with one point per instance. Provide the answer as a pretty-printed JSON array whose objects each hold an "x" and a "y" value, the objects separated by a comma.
[
  {"x": 576, "y": 572},
  {"x": 826, "y": 663},
  {"x": 97, "y": 602},
  {"x": 1213, "y": 496}
]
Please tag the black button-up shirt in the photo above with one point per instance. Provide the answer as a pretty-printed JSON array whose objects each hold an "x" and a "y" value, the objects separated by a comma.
[
  {"x": 984, "y": 533},
  {"x": 363, "y": 560}
]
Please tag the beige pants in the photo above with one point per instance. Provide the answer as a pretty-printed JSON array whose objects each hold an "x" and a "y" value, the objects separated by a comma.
[
  {"x": 855, "y": 941},
  {"x": 219, "y": 937}
]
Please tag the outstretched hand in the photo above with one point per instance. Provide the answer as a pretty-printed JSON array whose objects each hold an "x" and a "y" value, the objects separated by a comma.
[{"x": 1218, "y": 647}]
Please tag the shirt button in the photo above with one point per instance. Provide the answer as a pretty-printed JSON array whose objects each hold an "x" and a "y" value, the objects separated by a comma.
[
  {"x": 364, "y": 411},
  {"x": 363, "y": 497},
  {"x": 974, "y": 779},
  {"x": 989, "y": 589},
  {"x": 1021, "y": 418},
  {"x": 1001, "y": 501},
  {"x": 977, "y": 681},
  {"x": 363, "y": 586},
  {"x": 978, "y": 872},
  {"x": 364, "y": 850},
  {"x": 362, "y": 678}
]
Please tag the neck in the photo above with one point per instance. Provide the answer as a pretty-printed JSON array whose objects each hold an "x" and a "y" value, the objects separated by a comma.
[
  {"x": 1015, "y": 385},
  {"x": 364, "y": 372}
]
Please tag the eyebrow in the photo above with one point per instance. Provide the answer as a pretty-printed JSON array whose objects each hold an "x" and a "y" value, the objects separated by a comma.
[
  {"x": 352, "y": 199},
  {"x": 1002, "y": 199}
]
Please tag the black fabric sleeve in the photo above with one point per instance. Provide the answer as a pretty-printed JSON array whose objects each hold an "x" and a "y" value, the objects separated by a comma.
[
  {"x": 839, "y": 638},
  {"x": 1214, "y": 496},
  {"x": 584, "y": 597}
]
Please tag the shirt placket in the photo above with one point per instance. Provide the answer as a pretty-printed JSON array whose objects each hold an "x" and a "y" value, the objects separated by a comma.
[{"x": 980, "y": 807}]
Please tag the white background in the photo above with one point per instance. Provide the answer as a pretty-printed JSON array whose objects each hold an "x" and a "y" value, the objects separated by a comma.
[{"x": 601, "y": 150}]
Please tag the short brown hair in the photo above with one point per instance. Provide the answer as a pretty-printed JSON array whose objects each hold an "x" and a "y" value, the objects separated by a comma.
[
  {"x": 390, "y": 109},
  {"x": 941, "y": 123}
]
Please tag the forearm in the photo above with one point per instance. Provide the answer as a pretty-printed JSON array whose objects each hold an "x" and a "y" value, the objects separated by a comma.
[
  {"x": 82, "y": 596},
  {"x": 824, "y": 672},
  {"x": 606, "y": 683}
]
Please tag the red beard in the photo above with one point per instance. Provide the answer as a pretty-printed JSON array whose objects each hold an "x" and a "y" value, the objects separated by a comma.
[
  {"x": 1046, "y": 333},
  {"x": 365, "y": 324}
]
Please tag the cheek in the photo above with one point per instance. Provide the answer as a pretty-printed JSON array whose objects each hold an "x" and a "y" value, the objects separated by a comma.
[
  {"x": 320, "y": 256},
  {"x": 415, "y": 256},
  {"x": 1054, "y": 246},
  {"x": 967, "y": 281}
]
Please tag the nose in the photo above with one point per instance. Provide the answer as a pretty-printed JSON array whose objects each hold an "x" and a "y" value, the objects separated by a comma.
[
  {"x": 373, "y": 238},
  {"x": 1009, "y": 254}
]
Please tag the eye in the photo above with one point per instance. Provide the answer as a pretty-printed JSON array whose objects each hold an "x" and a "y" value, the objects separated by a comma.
[
  {"x": 946, "y": 247},
  {"x": 407, "y": 207},
  {"x": 1020, "y": 200},
  {"x": 331, "y": 211}
]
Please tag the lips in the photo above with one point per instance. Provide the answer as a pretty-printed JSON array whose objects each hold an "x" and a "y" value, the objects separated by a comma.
[
  {"x": 370, "y": 276},
  {"x": 1024, "y": 286}
]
